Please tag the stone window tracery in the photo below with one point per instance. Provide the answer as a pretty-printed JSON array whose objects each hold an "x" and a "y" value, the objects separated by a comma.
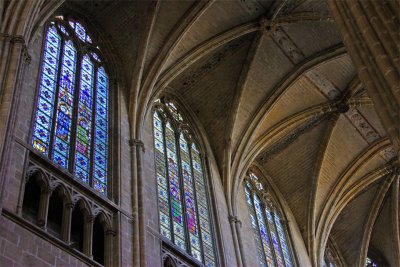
[
  {"x": 71, "y": 118},
  {"x": 269, "y": 226},
  {"x": 182, "y": 188}
]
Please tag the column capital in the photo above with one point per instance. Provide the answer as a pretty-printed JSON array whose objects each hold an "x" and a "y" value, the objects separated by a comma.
[
  {"x": 137, "y": 143},
  {"x": 234, "y": 219}
]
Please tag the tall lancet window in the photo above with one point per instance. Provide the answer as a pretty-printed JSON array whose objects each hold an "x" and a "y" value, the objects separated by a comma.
[
  {"x": 182, "y": 187},
  {"x": 269, "y": 226},
  {"x": 72, "y": 113}
]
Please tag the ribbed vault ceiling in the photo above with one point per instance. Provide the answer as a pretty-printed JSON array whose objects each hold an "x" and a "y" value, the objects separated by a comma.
[{"x": 269, "y": 81}]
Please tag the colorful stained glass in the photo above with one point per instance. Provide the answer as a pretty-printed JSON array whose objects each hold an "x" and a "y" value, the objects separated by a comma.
[
  {"x": 204, "y": 218},
  {"x": 263, "y": 231},
  {"x": 84, "y": 122},
  {"x": 48, "y": 79},
  {"x": 254, "y": 224},
  {"x": 65, "y": 106},
  {"x": 162, "y": 183},
  {"x": 267, "y": 225},
  {"x": 274, "y": 237},
  {"x": 283, "y": 241},
  {"x": 184, "y": 174},
  {"x": 100, "y": 137},
  {"x": 55, "y": 115},
  {"x": 190, "y": 201},
  {"x": 174, "y": 187}
]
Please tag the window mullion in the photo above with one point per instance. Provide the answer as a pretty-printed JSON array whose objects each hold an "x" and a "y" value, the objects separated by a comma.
[
  {"x": 56, "y": 93},
  {"x": 171, "y": 222},
  {"x": 196, "y": 205},
  {"x": 182, "y": 192}
]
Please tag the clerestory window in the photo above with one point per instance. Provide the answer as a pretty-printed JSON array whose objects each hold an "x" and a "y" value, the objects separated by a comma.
[
  {"x": 71, "y": 119},
  {"x": 269, "y": 226},
  {"x": 182, "y": 188}
]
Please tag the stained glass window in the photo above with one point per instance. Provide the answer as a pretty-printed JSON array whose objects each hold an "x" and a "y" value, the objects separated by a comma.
[
  {"x": 270, "y": 234},
  {"x": 182, "y": 189},
  {"x": 71, "y": 117},
  {"x": 370, "y": 262}
]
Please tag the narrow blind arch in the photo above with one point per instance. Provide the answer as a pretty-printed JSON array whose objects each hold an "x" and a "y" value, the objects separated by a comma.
[
  {"x": 71, "y": 118},
  {"x": 273, "y": 244},
  {"x": 183, "y": 202}
]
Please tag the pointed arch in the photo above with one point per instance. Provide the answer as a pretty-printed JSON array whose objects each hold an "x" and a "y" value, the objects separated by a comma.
[
  {"x": 71, "y": 121},
  {"x": 184, "y": 211},
  {"x": 268, "y": 221}
]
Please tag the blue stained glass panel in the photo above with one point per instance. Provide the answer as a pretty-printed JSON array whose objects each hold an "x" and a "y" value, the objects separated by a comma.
[
  {"x": 205, "y": 224},
  {"x": 60, "y": 160},
  {"x": 190, "y": 202},
  {"x": 100, "y": 174},
  {"x": 282, "y": 238},
  {"x": 61, "y": 147},
  {"x": 51, "y": 49},
  {"x": 274, "y": 238},
  {"x": 256, "y": 230},
  {"x": 44, "y": 112},
  {"x": 82, "y": 174},
  {"x": 164, "y": 208},
  {"x": 63, "y": 30},
  {"x": 43, "y": 119},
  {"x": 101, "y": 135},
  {"x": 100, "y": 147},
  {"x": 175, "y": 196},
  {"x": 45, "y": 106},
  {"x": 100, "y": 187},
  {"x": 64, "y": 107},
  {"x": 100, "y": 160},
  {"x": 83, "y": 142},
  {"x": 50, "y": 66},
  {"x": 80, "y": 31},
  {"x": 101, "y": 123},
  {"x": 263, "y": 231},
  {"x": 101, "y": 111},
  {"x": 57, "y": 105},
  {"x": 101, "y": 100},
  {"x": 46, "y": 94},
  {"x": 41, "y": 138}
]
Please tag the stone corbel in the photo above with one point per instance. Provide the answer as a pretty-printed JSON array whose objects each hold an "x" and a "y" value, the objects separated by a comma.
[{"x": 18, "y": 39}]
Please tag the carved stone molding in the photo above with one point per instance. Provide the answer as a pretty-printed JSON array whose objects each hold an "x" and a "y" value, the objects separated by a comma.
[
  {"x": 235, "y": 219},
  {"x": 137, "y": 143}
]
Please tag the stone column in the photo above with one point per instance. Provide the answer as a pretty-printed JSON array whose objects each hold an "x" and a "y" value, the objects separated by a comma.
[
  {"x": 88, "y": 235},
  {"x": 135, "y": 203},
  {"x": 66, "y": 222},
  {"x": 44, "y": 207},
  {"x": 108, "y": 236},
  {"x": 14, "y": 57},
  {"x": 370, "y": 32}
]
